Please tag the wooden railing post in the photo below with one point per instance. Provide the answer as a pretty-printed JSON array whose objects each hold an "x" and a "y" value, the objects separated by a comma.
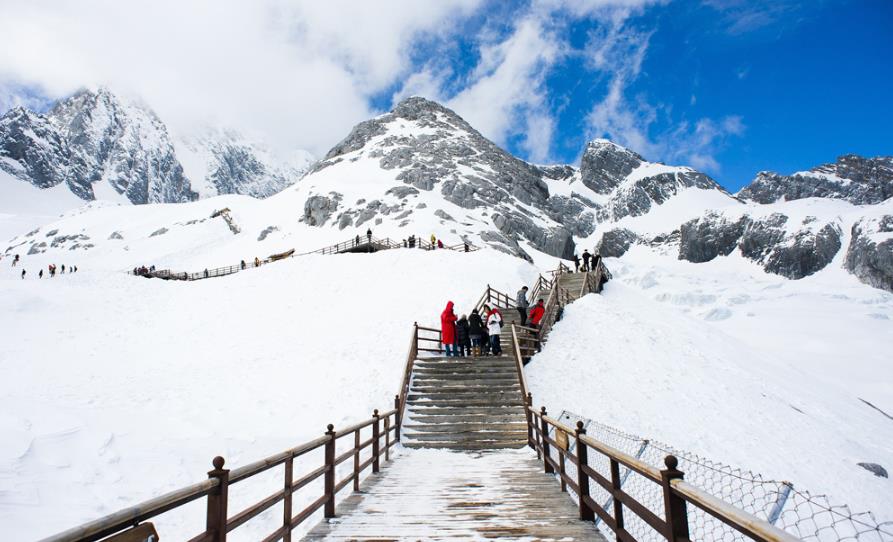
[
  {"x": 616, "y": 482},
  {"x": 527, "y": 406},
  {"x": 397, "y": 418},
  {"x": 216, "y": 519},
  {"x": 544, "y": 428},
  {"x": 329, "y": 478},
  {"x": 356, "y": 460},
  {"x": 674, "y": 505},
  {"x": 387, "y": 438},
  {"x": 375, "y": 439},
  {"x": 286, "y": 503},
  {"x": 586, "y": 513}
]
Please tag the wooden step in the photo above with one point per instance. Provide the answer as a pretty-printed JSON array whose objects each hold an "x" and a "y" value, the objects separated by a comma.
[{"x": 465, "y": 427}]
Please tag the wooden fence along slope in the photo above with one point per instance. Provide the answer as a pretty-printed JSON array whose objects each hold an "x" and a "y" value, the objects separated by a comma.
[{"x": 557, "y": 446}]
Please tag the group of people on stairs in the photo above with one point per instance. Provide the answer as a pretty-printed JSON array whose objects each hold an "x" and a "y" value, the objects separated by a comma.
[
  {"x": 474, "y": 335},
  {"x": 478, "y": 334},
  {"x": 587, "y": 257}
]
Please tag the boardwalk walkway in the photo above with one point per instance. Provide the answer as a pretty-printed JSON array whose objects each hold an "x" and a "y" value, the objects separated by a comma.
[{"x": 442, "y": 495}]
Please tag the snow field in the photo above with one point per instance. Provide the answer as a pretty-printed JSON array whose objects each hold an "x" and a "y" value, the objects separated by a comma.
[
  {"x": 757, "y": 372},
  {"x": 120, "y": 388}
]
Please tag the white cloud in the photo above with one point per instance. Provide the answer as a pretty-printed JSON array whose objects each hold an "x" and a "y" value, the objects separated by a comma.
[
  {"x": 506, "y": 92},
  {"x": 301, "y": 72},
  {"x": 619, "y": 51}
]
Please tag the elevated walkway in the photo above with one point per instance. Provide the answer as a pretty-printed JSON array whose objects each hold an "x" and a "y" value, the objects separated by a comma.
[{"x": 431, "y": 495}]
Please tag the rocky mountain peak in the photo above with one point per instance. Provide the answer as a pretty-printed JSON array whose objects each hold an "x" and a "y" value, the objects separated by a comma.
[
  {"x": 97, "y": 136},
  {"x": 605, "y": 165},
  {"x": 859, "y": 180}
]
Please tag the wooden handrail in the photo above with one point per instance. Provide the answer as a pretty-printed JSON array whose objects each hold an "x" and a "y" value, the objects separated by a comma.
[
  {"x": 215, "y": 488},
  {"x": 407, "y": 376},
  {"x": 672, "y": 524}
]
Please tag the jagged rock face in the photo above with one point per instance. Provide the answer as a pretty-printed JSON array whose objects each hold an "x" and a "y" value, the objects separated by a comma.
[
  {"x": 703, "y": 239},
  {"x": 125, "y": 144},
  {"x": 633, "y": 185},
  {"x": 605, "y": 166},
  {"x": 766, "y": 241},
  {"x": 94, "y": 136},
  {"x": 614, "y": 243},
  {"x": 861, "y": 181},
  {"x": 431, "y": 149},
  {"x": 870, "y": 254},
  {"x": 33, "y": 149},
  {"x": 318, "y": 209}
]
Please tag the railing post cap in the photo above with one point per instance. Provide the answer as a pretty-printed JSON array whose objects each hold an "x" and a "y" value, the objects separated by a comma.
[
  {"x": 375, "y": 413},
  {"x": 543, "y": 410},
  {"x": 218, "y": 462},
  {"x": 580, "y": 428},
  {"x": 330, "y": 429}
]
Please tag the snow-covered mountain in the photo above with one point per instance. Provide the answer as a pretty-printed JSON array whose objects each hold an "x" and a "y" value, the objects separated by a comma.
[
  {"x": 421, "y": 169},
  {"x": 103, "y": 146}
]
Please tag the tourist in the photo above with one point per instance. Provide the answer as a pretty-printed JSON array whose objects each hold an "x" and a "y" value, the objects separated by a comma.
[
  {"x": 586, "y": 256},
  {"x": 439, "y": 243},
  {"x": 15, "y": 260},
  {"x": 40, "y": 275},
  {"x": 522, "y": 304},
  {"x": 356, "y": 242},
  {"x": 475, "y": 332},
  {"x": 494, "y": 327},
  {"x": 463, "y": 340},
  {"x": 485, "y": 338},
  {"x": 256, "y": 261},
  {"x": 576, "y": 264},
  {"x": 369, "y": 235},
  {"x": 536, "y": 314},
  {"x": 467, "y": 248},
  {"x": 448, "y": 329},
  {"x": 243, "y": 265},
  {"x": 433, "y": 241}
]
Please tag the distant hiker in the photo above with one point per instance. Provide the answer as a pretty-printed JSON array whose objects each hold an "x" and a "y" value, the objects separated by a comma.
[
  {"x": 485, "y": 338},
  {"x": 356, "y": 242},
  {"x": 439, "y": 243},
  {"x": 433, "y": 241},
  {"x": 23, "y": 274},
  {"x": 206, "y": 273},
  {"x": 448, "y": 329},
  {"x": 596, "y": 260},
  {"x": 256, "y": 261},
  {"x": 522, "y": 304},
  {"x": 467, "y": 248},
  {"x": 243, "y": 265},
  {"x": 576, "y": 264},
  {"x": 369, "y": 235},
  {"x": 412, "y": 241},
  {"x": 537, "y": 313},
  {"x": 494, "y": 327},
  {"x": 75, "y": 269},
  {"x": 63, "y": 268},
  {"x": 152, "y": 269},
  {"x": 463, "y": 339},
  {"x": 475, "y": 332},
  {"x": 15, "y": 260},
  {"x": 586, "y": 256},
  {"x": 40, "y": 275},
  {"x": 405, "y": 244}
]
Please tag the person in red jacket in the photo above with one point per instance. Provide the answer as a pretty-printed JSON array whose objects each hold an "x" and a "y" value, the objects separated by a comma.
[
  {"x": 536, "y": 313},
  {"x": 448, "y": 329}
]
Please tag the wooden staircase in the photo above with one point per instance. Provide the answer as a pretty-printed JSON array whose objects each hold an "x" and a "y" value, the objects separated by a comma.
[{"x": 465, "y": 404}]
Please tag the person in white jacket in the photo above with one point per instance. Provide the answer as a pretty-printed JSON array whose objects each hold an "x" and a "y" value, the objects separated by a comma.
[{"x": 494, "y": 327}]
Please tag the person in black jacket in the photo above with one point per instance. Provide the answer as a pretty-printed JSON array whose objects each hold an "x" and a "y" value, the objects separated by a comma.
[
  {"x": 475, "y": 332},
  {"x": 576, "y": 264},
  {"x": 586, "y": 256},
  {"x": 463, "y": 339}
]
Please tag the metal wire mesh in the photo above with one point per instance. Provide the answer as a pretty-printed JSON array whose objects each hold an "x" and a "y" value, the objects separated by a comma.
[{"x": 806, "y": 516}]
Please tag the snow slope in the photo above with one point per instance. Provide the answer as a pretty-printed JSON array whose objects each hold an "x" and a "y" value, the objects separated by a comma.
[
  {"x": 739, "y": 366},
  {"x": 118, "y": 388}
]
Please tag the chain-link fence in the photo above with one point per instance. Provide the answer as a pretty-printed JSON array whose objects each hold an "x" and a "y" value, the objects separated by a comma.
[{"x": 806, "y": 516}]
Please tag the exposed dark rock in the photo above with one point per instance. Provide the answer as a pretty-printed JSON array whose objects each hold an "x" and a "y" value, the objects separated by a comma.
[
  {"x": 859, "y": 180},
  {"x": 614, "y": 243},
  {"x": 318, "y": 209},
  {"x": 875, "y": 469},
  {"x": 805, "y": 254},
  {"x": 605, "y": 165},
  {"x": 712, "y": 235},
  {"x": 158, "y": 232},
  {"x": 869, "y": 259}
]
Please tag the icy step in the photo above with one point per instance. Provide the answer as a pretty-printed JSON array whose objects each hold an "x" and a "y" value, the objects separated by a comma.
[
  {"x": 442, "y": 495},
  {"x": 463, "y": 427}
]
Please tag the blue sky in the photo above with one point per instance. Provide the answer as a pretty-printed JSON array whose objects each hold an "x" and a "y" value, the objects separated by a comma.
[{"x": 730, "y": 87}]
